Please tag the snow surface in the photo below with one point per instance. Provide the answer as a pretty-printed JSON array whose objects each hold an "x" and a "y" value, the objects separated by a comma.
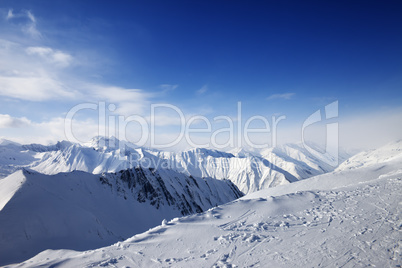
[
  {"x": 80, "y": 211},
  {"x": 249, "y": 171},
  {"x": 13, "y": 156},
  {"x": 347, "y": 218},
  {"x": 386, "y": 153}
]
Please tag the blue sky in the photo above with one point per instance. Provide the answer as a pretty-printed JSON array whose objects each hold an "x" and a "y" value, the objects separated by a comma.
[{"x": 275, "y": 57}]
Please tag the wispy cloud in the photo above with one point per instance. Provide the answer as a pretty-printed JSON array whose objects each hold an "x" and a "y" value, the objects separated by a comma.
[
  {"x": 44, "y": 84},
  {"x": 202, "y": 90},
  {"x": 23, "y": 76},
  {"x": 57, "y": 57},
  {"x": 167, "y": 88},
  {"x": 28, "y": 73},
  {"x": 128, "y": 101},
  {"x": 10, "y": 14},
  {"x": 34, "y": 88},
  {"x": 284, "y": 96},
  {"x": 30, "y": 26},
  {"x": 31, "y": 16}
]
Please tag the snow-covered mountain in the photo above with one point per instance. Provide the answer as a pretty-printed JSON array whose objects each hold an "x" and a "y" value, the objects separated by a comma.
[
  {"x": 79, "y": 210},
  {"x": 249, "y": 171},
  {"x": 350, "y": 217}
]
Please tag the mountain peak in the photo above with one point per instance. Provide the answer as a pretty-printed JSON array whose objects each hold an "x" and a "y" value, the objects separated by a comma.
[
  {"x": 106, "y": 144},
  {"x": 209, "y": 152},
  {"x": 5, "y": 142}
]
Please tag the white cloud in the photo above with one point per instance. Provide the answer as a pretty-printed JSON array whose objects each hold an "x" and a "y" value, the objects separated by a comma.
[
  {"x": 57, "y": 57},
  {"x": 7, "y": 121},
  {"x": 117, "y": 94},
  {"x": 41, "y": 51},
  {"x": 284, "y": 96}
]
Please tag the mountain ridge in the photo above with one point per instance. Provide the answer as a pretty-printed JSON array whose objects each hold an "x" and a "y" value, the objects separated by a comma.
[{"x": 249, "y": 171}]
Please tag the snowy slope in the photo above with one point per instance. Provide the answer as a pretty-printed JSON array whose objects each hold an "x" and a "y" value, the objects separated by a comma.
[
  {"x": 13, "y": 156},
  {"x": 348, "y": 218},
  {"x": 79, "y": 210},
  {"x": 386, "y": 153},
  {"x": 249, "y": 171},
  {"x": 298, "y": 161}
]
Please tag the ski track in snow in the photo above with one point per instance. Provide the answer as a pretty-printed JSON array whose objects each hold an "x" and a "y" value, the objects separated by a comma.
[{"x": 355, "y": 226}]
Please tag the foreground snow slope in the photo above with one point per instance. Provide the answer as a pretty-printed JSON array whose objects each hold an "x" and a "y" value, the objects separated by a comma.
[
  {"x": 79, "y": 210},
  {"x": 249, "y": 171},
  {"x": 347, "y": 218}
]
